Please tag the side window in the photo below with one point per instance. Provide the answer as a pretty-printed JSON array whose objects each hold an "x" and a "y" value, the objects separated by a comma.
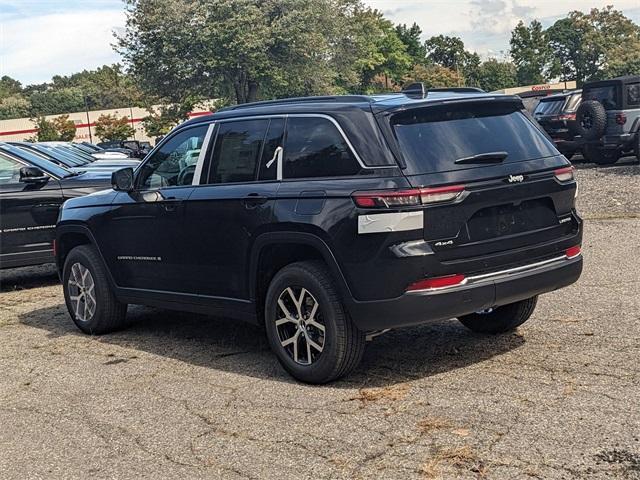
[
  {"x": 315, "y": 148},
  {"x": 272, "y": 141},
  {"x": 236, "y": 151},
  {"x": 175, "y": 162},
  {"x": 633, "y": 95},
  {"x": 9, "y": 170}
]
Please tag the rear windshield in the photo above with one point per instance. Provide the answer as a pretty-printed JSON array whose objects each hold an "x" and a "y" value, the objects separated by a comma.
[
  {"x": 605, "y": 95},
  {"x": 550, "y": 107},
  {"x": 433, "y": 138}
]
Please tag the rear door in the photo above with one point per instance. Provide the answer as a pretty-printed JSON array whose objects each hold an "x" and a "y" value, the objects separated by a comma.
[
  {"x": 232, "y": 205},
  {"x": 510, "y": 207}
]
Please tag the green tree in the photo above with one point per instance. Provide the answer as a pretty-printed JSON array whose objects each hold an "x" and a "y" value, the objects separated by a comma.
[
  {"x": 14, "y": 106},
  {"x": 66, "y": 128},
  {"x": 410, "y": 36},
  {"x": 450, "y": 52},
  {"x": 46, "y": 131},
  {"x": 110, "y": 127},
  {"x": 47, "y": 101},
  {"x": 592, "y": 45},
  {"x": 496, "y": 75},
  {"x": 9, "y": 87},
  {"x": 434, "y": 76},
  {"x": 531, "y": 53}
]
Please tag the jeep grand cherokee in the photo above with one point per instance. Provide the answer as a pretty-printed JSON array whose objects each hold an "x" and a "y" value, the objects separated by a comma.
[{"x": 331, "y": 219}]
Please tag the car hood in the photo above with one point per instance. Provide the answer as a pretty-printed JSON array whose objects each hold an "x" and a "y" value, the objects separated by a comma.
[{"x": 97, "y": 178}]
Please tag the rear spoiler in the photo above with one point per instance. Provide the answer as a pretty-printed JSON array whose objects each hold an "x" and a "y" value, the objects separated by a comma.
[{"x": 480, "y": 98}]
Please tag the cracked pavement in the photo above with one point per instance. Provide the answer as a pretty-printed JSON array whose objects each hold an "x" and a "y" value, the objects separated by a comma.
[{"x": 186, "y": 396}]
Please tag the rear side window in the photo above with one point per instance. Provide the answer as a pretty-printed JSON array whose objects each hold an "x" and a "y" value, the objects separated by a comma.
[
  {"x": 633, "y": 95},
  {"x": 237, "y": 148},
  {"x": 273, "y": 140},
  {"x": 315, "y": 148},
  {"x": 550, "y": 107},
  {"x": 433, "y": 138},
  {"x": 605, "y": 95}
]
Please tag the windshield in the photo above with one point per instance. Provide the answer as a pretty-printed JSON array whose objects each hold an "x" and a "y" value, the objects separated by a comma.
[
  {"x": 433, "y": 138},
  {"x": 35, "y": 160},
  {"x": 605, "y": 95},
  {"x": 61, "y": 156},
  {"x": 550, "y": 107}
]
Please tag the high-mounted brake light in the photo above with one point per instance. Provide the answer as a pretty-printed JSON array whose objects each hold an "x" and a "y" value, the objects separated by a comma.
[
  {"x": 407, "y": 198},
  {"x": 573, "y": 252},
  {"x": 564, "y": 174},
  {"x": 567, "y": 116},
  {"x": 437, "y": 282}
]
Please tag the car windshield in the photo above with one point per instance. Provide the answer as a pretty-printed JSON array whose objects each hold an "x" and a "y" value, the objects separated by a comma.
[
  {"x": 550, "y": 106},
  {"x": 62, "y": 156},
  {"x": 36, "y": 160},
  {"x": 605, "y": 95},
  {"x": 433, "y": 138}
]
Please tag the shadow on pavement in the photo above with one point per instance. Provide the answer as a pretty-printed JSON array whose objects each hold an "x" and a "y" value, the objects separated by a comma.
[
  {"x": 28, "y": 277},
  {"x": 233, "y": 346}
]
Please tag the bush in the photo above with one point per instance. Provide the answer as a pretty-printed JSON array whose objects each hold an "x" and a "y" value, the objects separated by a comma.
[{"x": 110, "y": 127}]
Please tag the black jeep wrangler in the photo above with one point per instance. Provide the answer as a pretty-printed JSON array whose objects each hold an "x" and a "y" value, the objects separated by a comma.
[
  {"x": 557, "y": 115},
  {"x": 608, "y": 119},
  {"x": 330, "y": 219}
]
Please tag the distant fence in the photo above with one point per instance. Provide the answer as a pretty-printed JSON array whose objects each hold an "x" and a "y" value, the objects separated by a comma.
[{"x": 20, "y": 129}]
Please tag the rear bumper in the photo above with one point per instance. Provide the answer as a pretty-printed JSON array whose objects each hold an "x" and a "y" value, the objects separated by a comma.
[{"x": 478, "y": 293}]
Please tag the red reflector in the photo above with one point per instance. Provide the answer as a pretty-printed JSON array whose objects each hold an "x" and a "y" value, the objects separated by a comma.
[
  {"x": 621, "y": 118},
  {"x": 54, "y": 247},
  {"x": 573, "y": 251},
  {"x": 564, "y": 174},
  {"x": 438, "y": 282}
]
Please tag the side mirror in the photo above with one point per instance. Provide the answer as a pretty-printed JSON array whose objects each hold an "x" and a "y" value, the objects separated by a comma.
[
  {"x": 33, "y": 175},
  {"x": 122, "y": 180}
]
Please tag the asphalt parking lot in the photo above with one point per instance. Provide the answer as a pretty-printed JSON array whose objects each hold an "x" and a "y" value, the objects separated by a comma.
[{"x": 187, "y": 396}]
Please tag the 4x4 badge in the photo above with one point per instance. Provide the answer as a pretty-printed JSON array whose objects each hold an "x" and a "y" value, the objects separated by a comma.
[{"x": 515, "y": 179}]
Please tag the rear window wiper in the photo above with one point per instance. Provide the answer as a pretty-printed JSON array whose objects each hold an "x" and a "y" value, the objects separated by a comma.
[{"x": 489, "y": 157}]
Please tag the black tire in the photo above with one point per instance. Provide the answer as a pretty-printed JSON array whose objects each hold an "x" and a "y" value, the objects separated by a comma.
[
  {"x": 108, "y": 314},
  {"x": 600, "y": 156},
  {"x": 342, "y": 343},
  {"x": 591, "y": 120},
  {"x": 501, "y": 319}
]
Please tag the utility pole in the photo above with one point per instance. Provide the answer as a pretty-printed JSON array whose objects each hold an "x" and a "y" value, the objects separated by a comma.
[{"x": 86, "y": 109}]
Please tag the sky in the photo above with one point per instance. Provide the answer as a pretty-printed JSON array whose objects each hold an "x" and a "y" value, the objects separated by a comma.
[{"x": 42, "y": 38}]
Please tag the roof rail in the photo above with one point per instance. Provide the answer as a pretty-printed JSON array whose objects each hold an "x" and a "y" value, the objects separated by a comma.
[
  {"x": 284, "y": 101},
  {"x": 415, "y": 90},
  {"x": 458, "y": 89}
]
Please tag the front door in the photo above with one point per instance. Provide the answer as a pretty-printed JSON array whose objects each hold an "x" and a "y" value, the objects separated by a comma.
[
  {"x": 144, "y": 240},
  {"x": 232, "y": 205},
  {"x": 28, "y": 215}
]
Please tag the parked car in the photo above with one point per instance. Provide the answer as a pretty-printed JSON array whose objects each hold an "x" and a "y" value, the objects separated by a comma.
[
  {"x": 331, "y": 219},
  {"x": 74, "y": 161},
  {"x": 608, "y": 119},
  {"x": 557, "y": 115},
  {"x": 99, "y": 154},
  {"x": 139, "y": 149},
  {"x": 31, "y": 192}
]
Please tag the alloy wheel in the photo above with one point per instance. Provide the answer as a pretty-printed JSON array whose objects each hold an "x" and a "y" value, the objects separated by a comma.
[
  {"x": 299, "y": 325},
  {"x": 81, "y": 288}
]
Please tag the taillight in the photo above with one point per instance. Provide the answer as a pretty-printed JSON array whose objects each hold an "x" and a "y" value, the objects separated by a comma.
[
  {"x": 437, "y": 282},
  {"x": 621, "y": 118},
  {"x": 407, "y": 198},
  {"x": 54, "y": 247},
  {"x": 573, "y": 252},
  {"x": 564, "y": 174},
  {"x": 568, "y": 116}
]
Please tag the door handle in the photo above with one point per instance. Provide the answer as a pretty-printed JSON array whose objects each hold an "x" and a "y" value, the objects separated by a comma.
[
  {"x": 254, "y": 199},
  {"x": 171, "y": 204}
]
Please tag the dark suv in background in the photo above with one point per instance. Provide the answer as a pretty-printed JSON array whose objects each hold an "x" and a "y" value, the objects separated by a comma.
[
  {"x": 557, "y": 115},
  {"x": 331, "y": 219}
]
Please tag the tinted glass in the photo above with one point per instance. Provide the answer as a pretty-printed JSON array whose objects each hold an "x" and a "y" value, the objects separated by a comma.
[
  {"x": 605, "y": 95},
  {"x": 633, "y": 94},
  {"x": 175, "y": 162},
  {"x": 9, "y": 170},
  {"x": 550, "y": 107},
  {"x": 236, "y": 151},
  {"x": 573, "y": 103},
  {"x": 272, "y": 141},
  {"x": 433, "y": 138},
  {"x": 315, "y": 148},
  {"x": 35, "y": 160}
]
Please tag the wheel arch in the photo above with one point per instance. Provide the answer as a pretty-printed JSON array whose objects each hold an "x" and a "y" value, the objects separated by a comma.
[
  {"x": 70, "y": 236},
  {"x": 274, "y": 250}
]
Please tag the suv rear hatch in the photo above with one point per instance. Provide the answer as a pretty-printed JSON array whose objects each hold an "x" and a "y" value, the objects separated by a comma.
[{"x": 512, "y": 193}]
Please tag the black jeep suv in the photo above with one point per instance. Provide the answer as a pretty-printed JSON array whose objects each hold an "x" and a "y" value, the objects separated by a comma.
[
  {"x": 557, "y": 115},
  {"x": 331, "y": 219}
]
